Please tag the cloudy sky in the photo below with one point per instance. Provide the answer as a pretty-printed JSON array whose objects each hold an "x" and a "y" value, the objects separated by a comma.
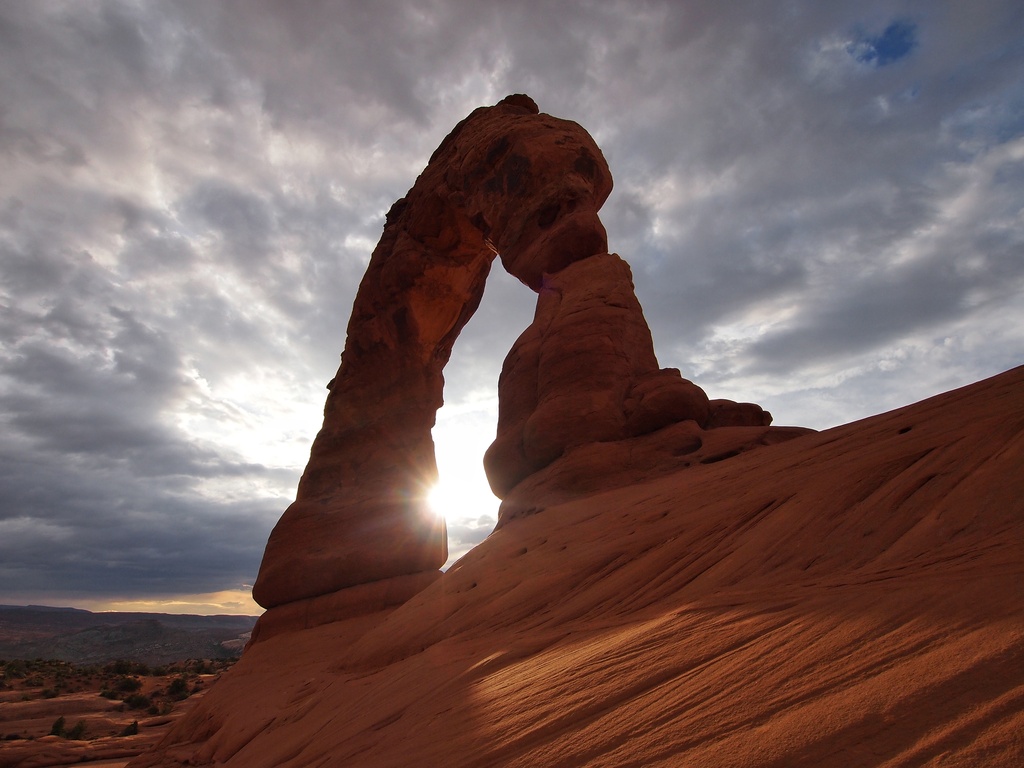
[{"x": 821, "y": 203}]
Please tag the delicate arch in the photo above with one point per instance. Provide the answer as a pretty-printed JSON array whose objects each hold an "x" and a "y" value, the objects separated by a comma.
[{"x": 507, "y": 179}]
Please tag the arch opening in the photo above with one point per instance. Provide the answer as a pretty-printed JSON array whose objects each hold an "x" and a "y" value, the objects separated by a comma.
[{"x": 467, "y": 422}]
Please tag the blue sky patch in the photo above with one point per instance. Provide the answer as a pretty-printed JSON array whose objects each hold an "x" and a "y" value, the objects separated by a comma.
[{"x": 895, "y": 43}]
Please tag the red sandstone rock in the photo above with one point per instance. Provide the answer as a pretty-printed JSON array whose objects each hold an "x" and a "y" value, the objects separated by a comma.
[
  {"x": 592, "y": 468},
  {"x": 844, "y": 598},
  {"x": 629, "y": 623},
  {"x": 727, "y": 413},
  {"x": 583, "y": 372},
  {"x": 510, "y": 180},
  {"x": 363, "y": 599}
]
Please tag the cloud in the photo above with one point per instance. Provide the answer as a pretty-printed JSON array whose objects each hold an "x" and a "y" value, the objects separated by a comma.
[{"x": 820, "y": 203}]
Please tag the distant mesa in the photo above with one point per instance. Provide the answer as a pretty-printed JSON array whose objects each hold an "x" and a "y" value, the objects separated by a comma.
[{"x": 580, "y": 389}]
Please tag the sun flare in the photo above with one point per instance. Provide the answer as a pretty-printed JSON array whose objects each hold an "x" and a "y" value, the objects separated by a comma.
[{"x": 459, "y": 502}]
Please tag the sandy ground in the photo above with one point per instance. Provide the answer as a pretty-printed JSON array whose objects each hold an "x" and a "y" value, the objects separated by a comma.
[{"x": 27, "y": 713}]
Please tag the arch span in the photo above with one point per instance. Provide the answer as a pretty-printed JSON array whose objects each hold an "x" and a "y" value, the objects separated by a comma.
[
  {"x": 506, "y": 180},
  {"x": 582, "y": 403}
]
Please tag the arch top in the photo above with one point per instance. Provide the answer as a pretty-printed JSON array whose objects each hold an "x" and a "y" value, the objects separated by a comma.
[
  {"x": 531, "y": 183},
  {"x": 520, "y": 100}
]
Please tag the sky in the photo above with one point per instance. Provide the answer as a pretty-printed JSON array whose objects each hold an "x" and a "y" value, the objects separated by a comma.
[{"x": 821, "y": 204}]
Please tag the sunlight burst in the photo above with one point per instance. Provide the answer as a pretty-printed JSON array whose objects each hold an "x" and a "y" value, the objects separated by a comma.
[{"x": 458, "y": 502}]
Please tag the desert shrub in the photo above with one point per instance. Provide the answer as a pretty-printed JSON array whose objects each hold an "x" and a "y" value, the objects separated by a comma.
[
  {"x": 33, "y": 682},
  {"x": 119, "y": 667},
  {"x": 131, "y": 729},
  {"x": 78, "y": 732},
  {"x": 137, "y": 701},
  {"x": 178, "y": 689},
  {"x": 57, "y": 729},
  {"x": 128, "y": 684},
  {"x": 49, "y": 693},
  {"x": 12, "y": 737},
  {"x": 106, "y": 693}
]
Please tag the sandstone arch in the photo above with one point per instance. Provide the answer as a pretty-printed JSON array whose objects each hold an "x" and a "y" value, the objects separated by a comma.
[{"x": 507, "y": 180}]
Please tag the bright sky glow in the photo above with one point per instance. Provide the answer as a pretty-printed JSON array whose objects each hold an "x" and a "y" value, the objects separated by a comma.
[{"x": 462, "y": 494}]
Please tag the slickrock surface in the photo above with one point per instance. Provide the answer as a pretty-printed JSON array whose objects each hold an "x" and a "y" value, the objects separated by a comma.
[{"x": 846, "y": 598}]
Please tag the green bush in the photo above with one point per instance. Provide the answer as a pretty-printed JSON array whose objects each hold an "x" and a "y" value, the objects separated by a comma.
[
  {"x": 132, "y": 729},
  {"x": 78, "y": 732},
  {"x": 57, "y": 729}
]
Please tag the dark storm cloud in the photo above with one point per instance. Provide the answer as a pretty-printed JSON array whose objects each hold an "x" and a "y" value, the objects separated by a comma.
[{"x": 821, "y": 205}]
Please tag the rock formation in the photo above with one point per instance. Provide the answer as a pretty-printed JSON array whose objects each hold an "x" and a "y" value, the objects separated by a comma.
[
  {"x": 584, "y": 376},
  {"x": 847, "y": 598},
  {"x": 840, "y": 599},
  {"x": 510, "y": 181},
  {"x": 507, "y": 179}
]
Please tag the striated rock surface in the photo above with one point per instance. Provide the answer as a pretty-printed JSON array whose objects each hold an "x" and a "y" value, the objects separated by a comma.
[{"x": 846, "y": 598}]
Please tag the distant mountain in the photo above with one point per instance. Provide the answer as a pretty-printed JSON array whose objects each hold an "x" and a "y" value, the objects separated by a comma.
[{"x": 83, "y": 637}]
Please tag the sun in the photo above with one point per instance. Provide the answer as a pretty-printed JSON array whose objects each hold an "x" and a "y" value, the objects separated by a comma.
[
  {"x": 461, "y": 501},
  {"x": 461, "y": 494},
  {"x": 442, "y": 500}
]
